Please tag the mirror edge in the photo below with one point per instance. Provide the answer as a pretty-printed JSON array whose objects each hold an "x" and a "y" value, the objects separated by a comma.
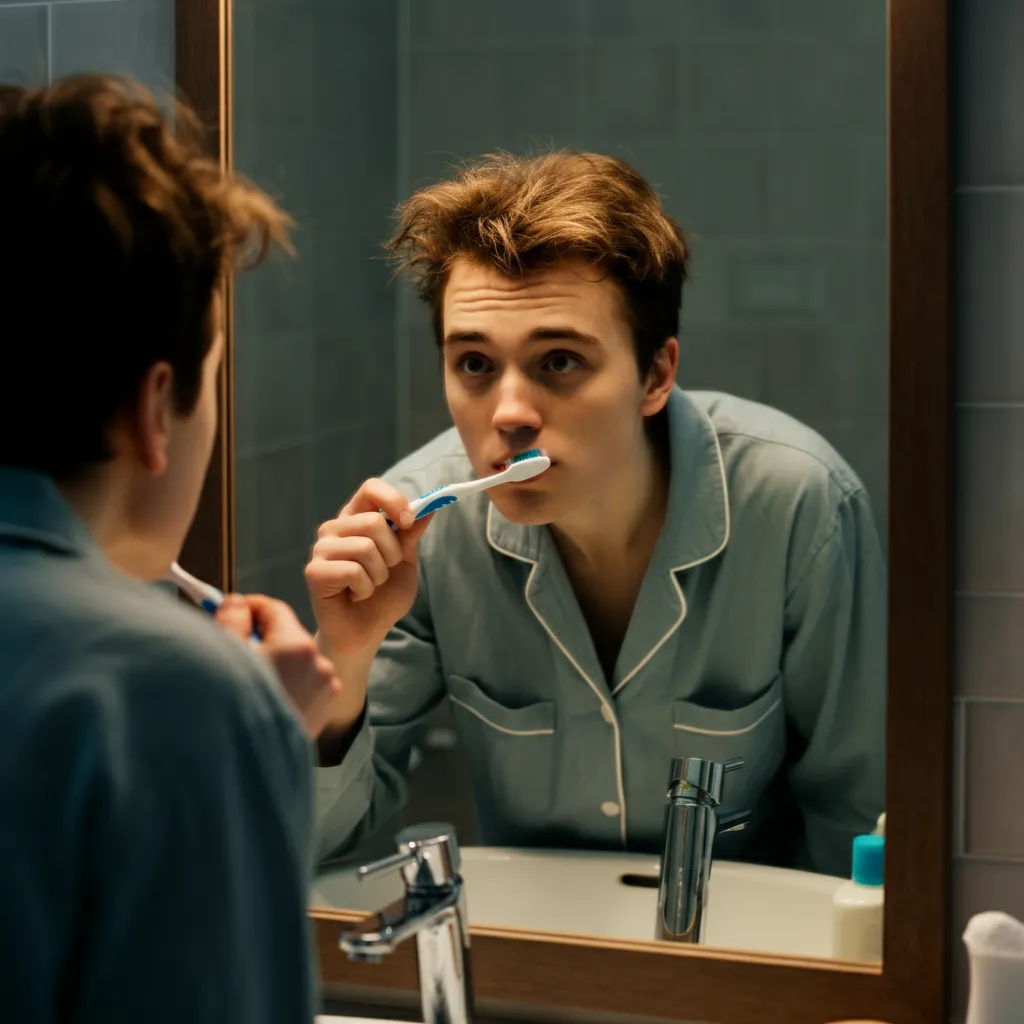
[{"x": 202, "y": 69}]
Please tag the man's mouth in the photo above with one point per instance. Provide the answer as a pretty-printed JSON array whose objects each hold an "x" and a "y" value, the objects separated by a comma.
[{"x": 502, "y": 464}]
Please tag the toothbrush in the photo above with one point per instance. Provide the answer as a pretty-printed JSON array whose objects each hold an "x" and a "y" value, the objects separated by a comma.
[
  {"x": 520, "y": 467},
  {"x": 208, "y": 597}
]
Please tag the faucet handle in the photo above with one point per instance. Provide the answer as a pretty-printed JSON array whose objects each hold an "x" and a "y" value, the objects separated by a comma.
[
  {"x": 428, "y": 857},
  {"x": 379, "y": 867},
  {"x": 434, "y": 849},
  {"x": 696, "y": 773}
]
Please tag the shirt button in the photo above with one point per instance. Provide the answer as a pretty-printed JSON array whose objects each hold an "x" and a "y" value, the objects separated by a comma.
[
  {"x": 608, "y": 715},
  {"x": 610, "y": 808}
]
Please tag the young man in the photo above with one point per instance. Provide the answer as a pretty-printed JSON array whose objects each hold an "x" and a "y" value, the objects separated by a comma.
[
  {"x": 696, "y": 575},
  {"x": 155, "y": 804}
]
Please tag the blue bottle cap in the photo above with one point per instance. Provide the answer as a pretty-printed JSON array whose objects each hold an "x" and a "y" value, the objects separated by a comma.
[{"x": 869, "y": 860}]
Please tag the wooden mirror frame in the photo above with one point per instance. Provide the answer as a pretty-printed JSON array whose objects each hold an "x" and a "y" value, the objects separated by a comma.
[{"x": 541, "y": 975}]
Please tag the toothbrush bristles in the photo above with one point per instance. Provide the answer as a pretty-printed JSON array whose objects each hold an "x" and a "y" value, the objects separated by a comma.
[{"x": 533, "y": 453}]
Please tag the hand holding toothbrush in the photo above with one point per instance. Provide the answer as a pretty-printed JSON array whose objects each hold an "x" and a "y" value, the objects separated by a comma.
[
  {"x": 362, "y": 574},
  {"x": 207, "y": 596},
  {"x": 362, "y": 578},
  {"x": 307, "y": 676}
]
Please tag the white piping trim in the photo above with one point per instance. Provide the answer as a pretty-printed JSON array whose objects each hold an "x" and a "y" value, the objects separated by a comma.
[
  {"x": 728, "y": 732},
  {"x": 689, "y": 565},
  {"x": 612, "y": 720},
  {"x": 501, "y": 728}
]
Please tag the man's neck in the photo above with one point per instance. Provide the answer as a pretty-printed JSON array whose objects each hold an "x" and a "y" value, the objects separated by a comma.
[
  {"x": 623, "y": 526},
  {"x": 99, "y": 498}
]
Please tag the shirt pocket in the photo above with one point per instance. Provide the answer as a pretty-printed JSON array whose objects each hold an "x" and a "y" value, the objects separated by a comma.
[
  {"x": 511, "y": 752},
  {"x": 755, "y": 732}
]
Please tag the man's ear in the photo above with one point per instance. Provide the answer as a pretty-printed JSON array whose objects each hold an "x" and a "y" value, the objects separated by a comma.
[
  {"x": 146, "y": 424},
  {"x": 661, "y": 378}
]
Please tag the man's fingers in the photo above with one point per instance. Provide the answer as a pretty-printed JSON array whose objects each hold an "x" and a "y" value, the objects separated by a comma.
[
  {"x": 327, "y": 578},
  {"x": 369, "y": 525},
  {"x": 275, "y": 621},
  {"x": 361, "y": 550},
  {"x": 234, "y": 616},
  {"x": 375, "y": 495}
]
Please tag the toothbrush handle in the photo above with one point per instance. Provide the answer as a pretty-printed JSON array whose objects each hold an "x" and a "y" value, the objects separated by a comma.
[{"x": 428, "y": 508}]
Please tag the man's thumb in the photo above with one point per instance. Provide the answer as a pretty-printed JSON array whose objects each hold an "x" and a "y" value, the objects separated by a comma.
[
  {"x": 410, "y": 538},
  {"x": 275, "y": 620}
]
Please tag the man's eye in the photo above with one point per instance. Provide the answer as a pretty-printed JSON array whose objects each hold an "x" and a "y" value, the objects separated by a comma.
[
  {"x": 564, "y": 362},
  {"x": 473, "y": 366}
]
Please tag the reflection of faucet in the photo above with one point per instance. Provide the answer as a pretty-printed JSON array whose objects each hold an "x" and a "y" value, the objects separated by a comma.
[
  {"x": 691, "y": 824},
  {"x": 434, "y": 910}
]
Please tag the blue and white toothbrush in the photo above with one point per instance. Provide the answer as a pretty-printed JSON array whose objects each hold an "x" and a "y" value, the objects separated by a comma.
[
  {"x": 207, "y": 596},
  {"x": 521, "y": 467}
]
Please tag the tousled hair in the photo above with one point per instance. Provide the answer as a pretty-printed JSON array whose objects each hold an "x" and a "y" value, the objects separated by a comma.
[
  {"x": 117, "y": 229},
  {"x": 521, "y": 215}
]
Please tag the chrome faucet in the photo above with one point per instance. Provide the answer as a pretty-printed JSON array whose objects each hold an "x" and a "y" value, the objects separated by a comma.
[
  {"x": 691, "y": 825},
  {"x": 434, "y": 910}
]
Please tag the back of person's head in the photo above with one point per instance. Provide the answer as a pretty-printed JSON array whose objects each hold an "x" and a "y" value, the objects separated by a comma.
[
  {"x": 521, "y": 215},
  {"x": 115, "y": 232}
]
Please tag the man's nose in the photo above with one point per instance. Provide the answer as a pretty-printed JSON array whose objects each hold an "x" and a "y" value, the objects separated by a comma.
[{"x": 516, "y": 412}]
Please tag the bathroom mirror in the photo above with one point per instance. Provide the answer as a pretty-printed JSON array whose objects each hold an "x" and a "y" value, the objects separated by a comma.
[{"x": 802, "y": 147}]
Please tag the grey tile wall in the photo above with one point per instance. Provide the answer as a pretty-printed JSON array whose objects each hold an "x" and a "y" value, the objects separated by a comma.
[
  {"x": 127, "y": 36},
  {"x": 41, "y": 41},
  {"x": 315, "y": 124},
  {"x": 988, "y": 865},
  {"x": 763, "y": 127},
  {"x": 24, "y": 44}
]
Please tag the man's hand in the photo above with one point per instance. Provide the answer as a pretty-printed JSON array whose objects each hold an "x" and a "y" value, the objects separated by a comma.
[
  {"x": 362, "y": 579},
  {"x": 307, "y": 677},
  {"x": 361, "y": 574}
]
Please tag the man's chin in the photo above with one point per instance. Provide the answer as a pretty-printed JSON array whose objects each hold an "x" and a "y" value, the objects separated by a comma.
[{"x": 525, "y": 507}]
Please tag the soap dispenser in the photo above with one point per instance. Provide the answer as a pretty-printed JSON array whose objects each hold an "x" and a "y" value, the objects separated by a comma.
[{"x": 858, "y": 905}]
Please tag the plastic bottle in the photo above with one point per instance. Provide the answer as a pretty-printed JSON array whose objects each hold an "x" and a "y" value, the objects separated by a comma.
[
  {"x": 995, "y": 946},
  {"x": 858, "y": 905}
]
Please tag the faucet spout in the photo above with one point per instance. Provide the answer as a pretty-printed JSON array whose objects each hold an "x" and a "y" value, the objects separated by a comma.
[
  {"x": 433, "y": 911},
  {"x": 691, "y": 825},
  {"x": 386, "y": 930}
]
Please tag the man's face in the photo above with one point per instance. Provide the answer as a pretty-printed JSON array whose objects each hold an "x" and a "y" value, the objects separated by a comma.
[
  {"x": 545, "y": 361},
  {"x": 166, "y": 503}
]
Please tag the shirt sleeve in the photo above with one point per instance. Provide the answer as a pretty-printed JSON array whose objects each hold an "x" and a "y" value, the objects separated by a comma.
[
  {"x": 834, "y": 668},
  {"x": 371, "y": 782},
  {"x": 161, "y": 862}
]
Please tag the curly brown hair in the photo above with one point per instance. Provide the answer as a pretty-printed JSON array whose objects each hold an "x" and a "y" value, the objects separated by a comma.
[
  {"x": 521, "y": 215},
  {"x": 117, "y": 230}
]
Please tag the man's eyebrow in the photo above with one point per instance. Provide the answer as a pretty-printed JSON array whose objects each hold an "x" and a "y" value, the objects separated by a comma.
[
  {"x": 464, "y": 337},
  {"x": 563, "y": 334},
  {"x": 540, "y": 334}
]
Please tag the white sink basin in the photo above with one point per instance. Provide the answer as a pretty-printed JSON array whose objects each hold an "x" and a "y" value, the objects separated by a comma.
[
  {"x": 771, "y": 910},
  {"x": 322, "y": 1019}
]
